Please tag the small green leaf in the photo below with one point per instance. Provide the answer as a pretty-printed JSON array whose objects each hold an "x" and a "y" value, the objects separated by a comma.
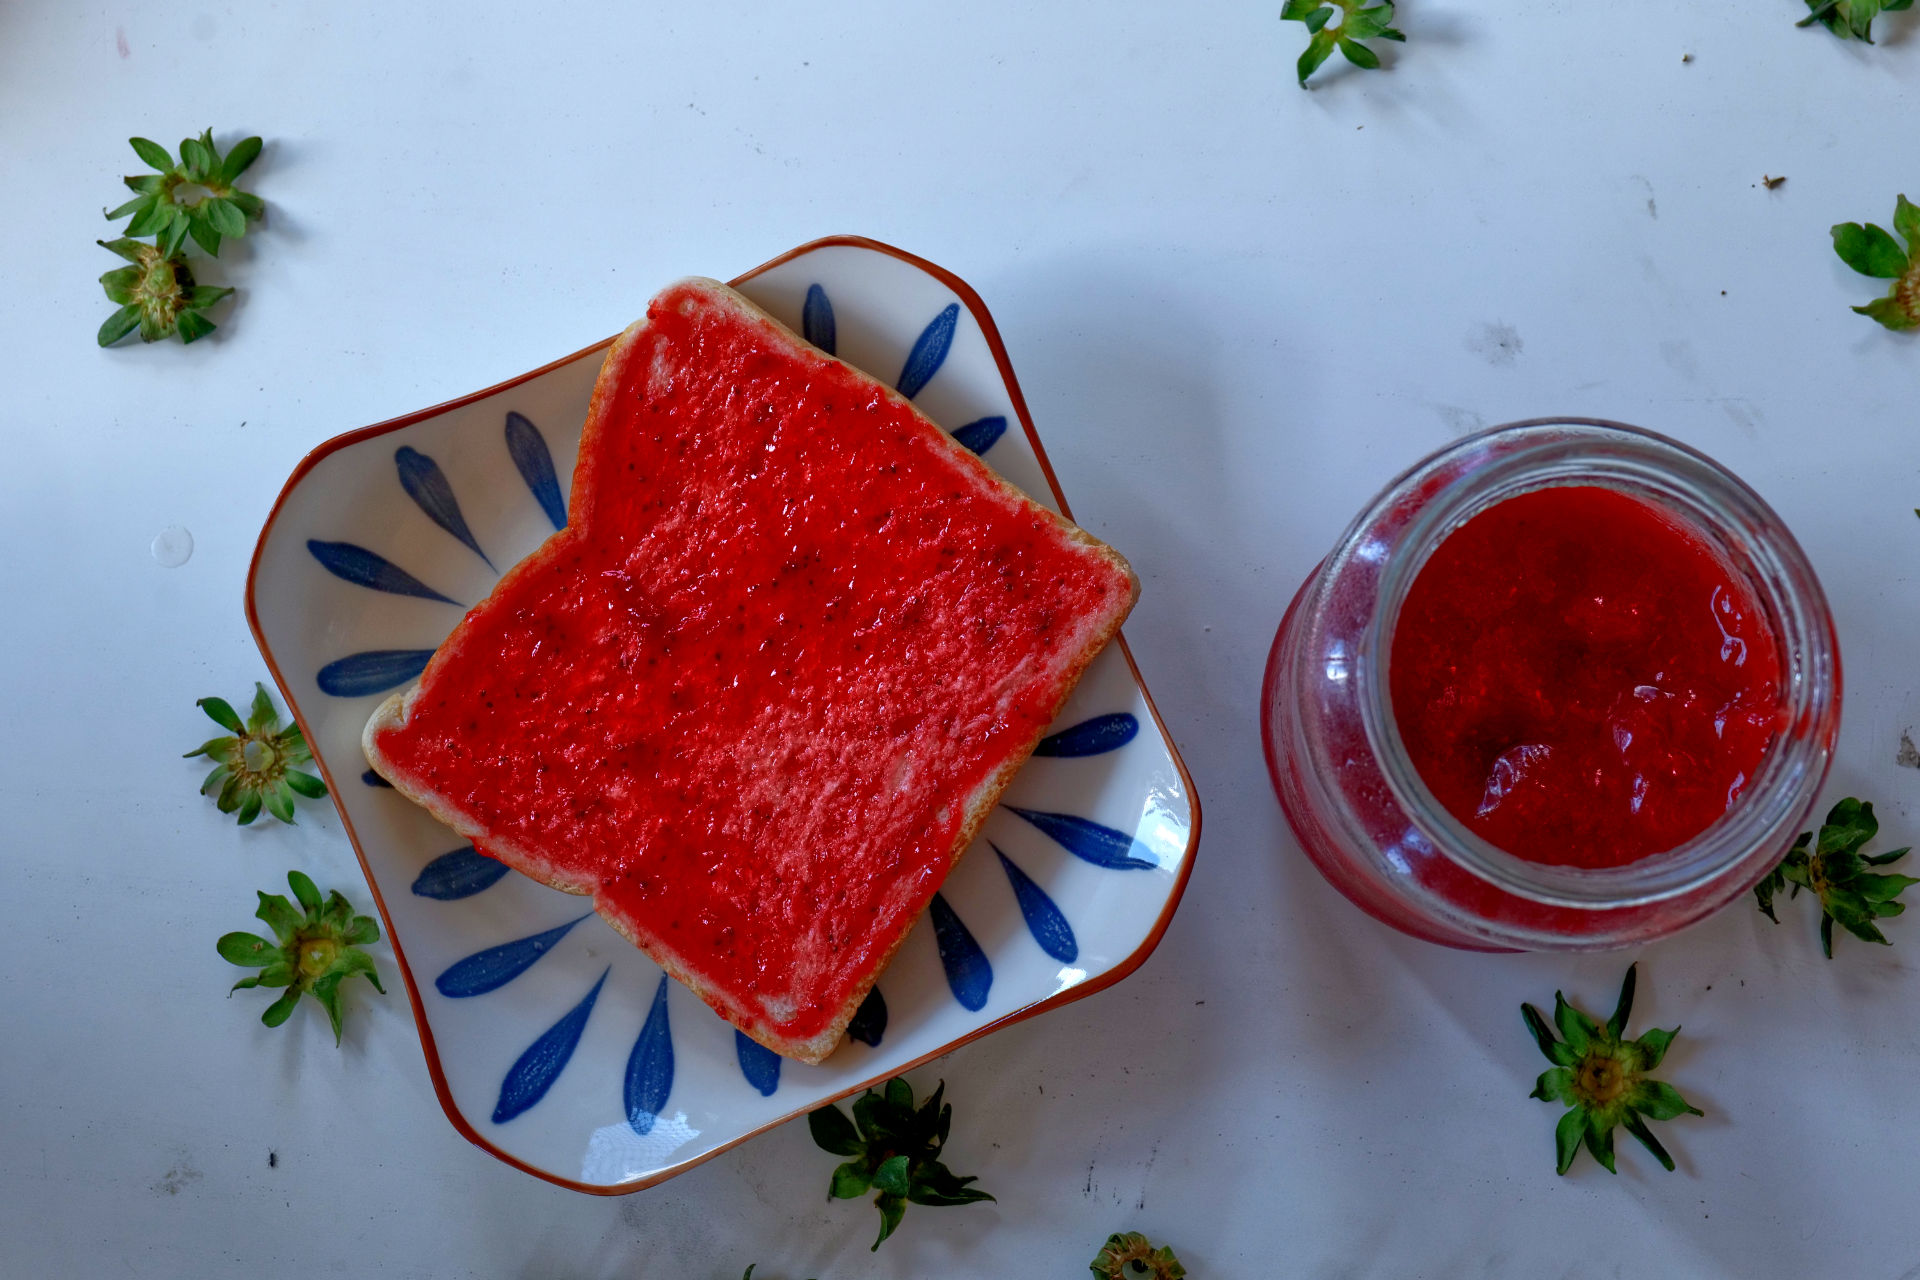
[
  {"x": 128, "y": 249},
  {"x": 871, "y": 1113},
  {"x": 1882, "y": 889},
  {"x": 1638, "y": 1128},
  {"x": 1653, "y": 1046},
  {"x": 1317, "y": 52},
  {"x": 1890, "y": 313},
  {"x": 244, "y": 153},
  {"x": 249, "y": 807},
  {"x": 892, "y": 1208},
  {"x": 280, "y": 1009},
  {"x": 278, "y": 799},
  {"x": 1623, "y": 1008},
  {"x": 338, "y": 913},
  {"x": 246, "y": 949},
  {"x": 930, "y": 1109},
  {"x": 119, "y": 285},
  {"x": 1553, "y": 1085},
  {"x": 850, "y": 1181},
  {"x": 203, "y": 296},
  {"x": 280, "y": 916},
  {"x": 1575, "y": 1026},
  {"x": 305, "y": 892},
  {"x": 1906, "y": 220},
  {"x": 200, "y": 226},
  {"x": 1864, "y": 930},
  {"x": 353, "y": 962},
  {"x": 1600, "y": 1142},
  {"x": 936, "y": 1187},
  {"x": 1359, "y": 55},
  {"x": 198, "y": 158},
  {"x": 170, "y": 241},
  {"x": 153, "y": 153},
  {"x": 365, "y": 929},
  {"x": 833, "y": 1132},
  {"x": 1543, "y": 1036},
  {"x": 150, "y": 221},
  {"x": 222, "y": 714},
  {"x": 306, "y": 784},
  {"x": 119, "y": 325},
  {"x": 899, "y": 1094},
  {"x": 1850, "y": 824},
  {"x": 891, "y": 1176},
  {"x": 226, "y": 217},
  {"x": 1869, "y": 250},
  {"x": 1660, "y": 1101},
  {"x": 130, "y": 206},
  {"x": 326, "y": 989},
  {"x": 1566, "y": 1138},
  {"x": 251, "y": 205},
  {"x": 122, "y": 285},
  {"x": 261, "y": 715}
]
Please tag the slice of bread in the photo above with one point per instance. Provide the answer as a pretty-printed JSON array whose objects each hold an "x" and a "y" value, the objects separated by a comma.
[{"x": 762, "y": 690}]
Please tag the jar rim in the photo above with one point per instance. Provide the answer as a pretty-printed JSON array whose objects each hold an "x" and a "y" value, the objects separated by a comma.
[{"x": 1502, "y": 462}]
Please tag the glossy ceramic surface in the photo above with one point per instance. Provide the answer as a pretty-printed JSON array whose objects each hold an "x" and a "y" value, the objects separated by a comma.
[{"x": 553, "y": 1042}]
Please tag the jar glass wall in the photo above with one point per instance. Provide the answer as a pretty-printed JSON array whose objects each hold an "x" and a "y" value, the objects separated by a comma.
[{"x": 1359, "y": 806}]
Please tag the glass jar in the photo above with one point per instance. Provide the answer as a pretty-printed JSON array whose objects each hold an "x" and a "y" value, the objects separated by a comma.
[{"x": 1357, "y": 803}]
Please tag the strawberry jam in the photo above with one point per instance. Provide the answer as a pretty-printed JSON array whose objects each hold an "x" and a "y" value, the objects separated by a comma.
[{"x": 1581, "y": 680}]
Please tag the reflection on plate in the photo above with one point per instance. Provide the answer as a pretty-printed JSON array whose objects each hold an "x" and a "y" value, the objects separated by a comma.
[{"x": 553, "y": 1042}]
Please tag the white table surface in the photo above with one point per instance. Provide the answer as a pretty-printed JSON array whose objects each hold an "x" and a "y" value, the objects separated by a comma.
[{"x": 1236, "y": 309}]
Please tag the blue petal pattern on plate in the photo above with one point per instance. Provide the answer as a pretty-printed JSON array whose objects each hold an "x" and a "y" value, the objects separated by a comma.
[
  {"x": 427, "y": 485},
  {"x": 929, "y": 352},
  {"x": 1091, "y": 737},
  {"x": 980, "y": 435},
  {"x": 373, "y": 779},
  {"x": 968, "y": 973},
  {"x": 489, "y": 970},
  {"x": 460, "y": 874},
  {"x": 534, "y": 462},
  {"x": 650, "y": 1066},
  {"x": 1049, "y": 928},
  {"x": 534, "y": 1072},
  {"x": 365, "y": 568},
  {"x": 759, "y": 1064},
  {"x": 374, "y": 671},
  {"x": 816, "y": 319},
  {"x": 869, "y": 1020},
  {"x": 1084, "y": 838}
]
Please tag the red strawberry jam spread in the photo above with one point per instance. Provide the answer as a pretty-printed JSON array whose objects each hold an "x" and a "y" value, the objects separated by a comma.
[
  {"x": 1581, "y": 680},
  {"x": 748, "y": 693}
]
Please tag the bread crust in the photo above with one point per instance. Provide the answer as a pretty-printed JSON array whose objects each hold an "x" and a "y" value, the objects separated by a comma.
[{"x": 394, "y": 711}]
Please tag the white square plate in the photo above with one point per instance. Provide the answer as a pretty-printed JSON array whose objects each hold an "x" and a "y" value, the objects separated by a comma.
[{"x": 554, "y": 1043}]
